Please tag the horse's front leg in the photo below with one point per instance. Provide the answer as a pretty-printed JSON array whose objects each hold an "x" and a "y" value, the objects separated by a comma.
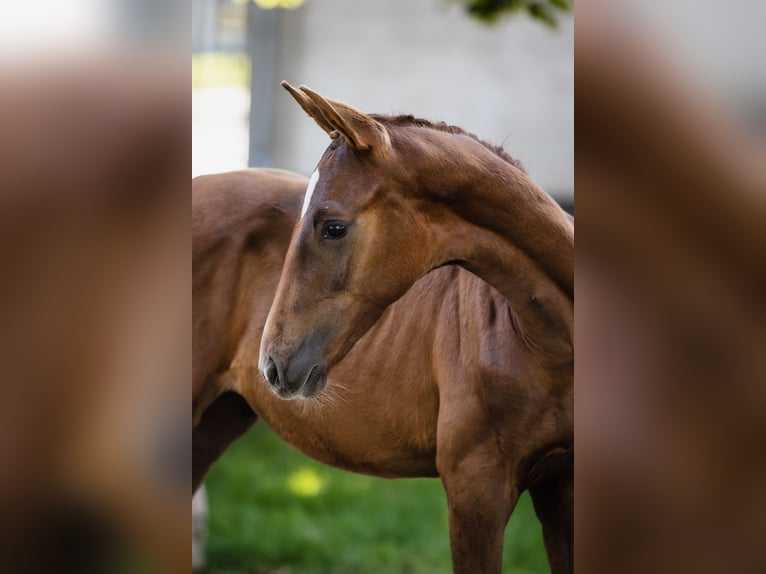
[
  {"x": 553, "y": 497},
  {"x": 480, "y": 496},
  {"x": 224, "y": 421}
]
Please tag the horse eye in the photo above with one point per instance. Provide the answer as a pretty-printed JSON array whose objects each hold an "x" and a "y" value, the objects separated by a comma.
[{"x": 333, "y": 230}]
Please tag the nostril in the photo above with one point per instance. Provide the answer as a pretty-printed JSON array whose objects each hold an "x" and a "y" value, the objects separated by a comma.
[{"x": 271, "y": 372}]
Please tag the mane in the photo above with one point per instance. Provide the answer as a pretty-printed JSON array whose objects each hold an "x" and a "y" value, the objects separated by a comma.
[{"x": 412, "y": 121}]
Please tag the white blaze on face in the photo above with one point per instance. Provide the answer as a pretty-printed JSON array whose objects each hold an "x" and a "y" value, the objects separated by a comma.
[{"x": 310, "y": 191}]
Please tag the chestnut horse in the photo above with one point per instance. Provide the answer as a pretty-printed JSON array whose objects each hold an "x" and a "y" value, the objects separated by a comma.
[{"x": 393, "y": 198}]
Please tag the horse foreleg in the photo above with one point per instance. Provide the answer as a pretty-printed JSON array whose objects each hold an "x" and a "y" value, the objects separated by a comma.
[
  {"x": 480, "y": 499},
  {"x": 225, "y": 420},
  {"x": 553, "y": 500}
]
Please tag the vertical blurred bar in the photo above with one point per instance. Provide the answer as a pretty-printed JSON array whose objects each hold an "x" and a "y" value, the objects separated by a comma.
[
  {"x": 94, "y": 270},
  {"x": 152, "y": 24},
  {"x": 671, "y": 278}
]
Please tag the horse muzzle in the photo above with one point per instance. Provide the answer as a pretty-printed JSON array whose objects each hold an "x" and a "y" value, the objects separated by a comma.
[{"x": 301, "y": 378}]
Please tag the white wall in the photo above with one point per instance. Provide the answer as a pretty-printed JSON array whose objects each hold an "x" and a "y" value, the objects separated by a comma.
[{"x": 513, "y": 82}]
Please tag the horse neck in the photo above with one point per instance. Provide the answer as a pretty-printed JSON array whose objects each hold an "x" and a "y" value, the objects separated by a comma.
[{"x": 501, "y": 226}]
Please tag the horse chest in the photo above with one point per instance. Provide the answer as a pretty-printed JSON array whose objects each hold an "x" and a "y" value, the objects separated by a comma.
[{"x": 349, "y": 438}]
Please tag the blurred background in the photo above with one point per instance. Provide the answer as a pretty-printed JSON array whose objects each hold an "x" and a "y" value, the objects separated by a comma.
[
  {"x": 502, "y": 70},
  {"x": 671, "y": 112},
  {"x": 510, "y": 82},
  {"x": 670, "y": 280}
]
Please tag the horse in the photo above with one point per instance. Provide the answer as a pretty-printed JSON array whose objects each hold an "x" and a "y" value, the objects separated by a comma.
[
  {"x": 397, "y": 200},
  {"x": 241, "y": 224},
  {"x": 380, "y": 414}
]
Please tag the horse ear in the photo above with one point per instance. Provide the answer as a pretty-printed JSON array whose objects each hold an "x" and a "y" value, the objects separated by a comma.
[
  {"x": 310, "y": 108},
  {"x": 358, "y": 129}
]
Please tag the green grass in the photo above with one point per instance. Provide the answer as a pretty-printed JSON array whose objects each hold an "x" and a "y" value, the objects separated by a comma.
[
  {"x": 275, "y": 511},
  {"x": 220, "y": 69}
]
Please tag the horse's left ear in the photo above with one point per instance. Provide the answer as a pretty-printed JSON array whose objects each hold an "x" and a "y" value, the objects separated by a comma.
[{"x": 358, "y": 129}]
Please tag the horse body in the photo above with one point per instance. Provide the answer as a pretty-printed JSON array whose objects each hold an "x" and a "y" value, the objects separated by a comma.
[
  {"x": 379, "y": 413},
  {"x": 394, "y": 198}
]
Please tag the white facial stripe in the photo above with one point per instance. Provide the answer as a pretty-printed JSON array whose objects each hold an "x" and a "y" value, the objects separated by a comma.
[{"x": 310, "y": 191}]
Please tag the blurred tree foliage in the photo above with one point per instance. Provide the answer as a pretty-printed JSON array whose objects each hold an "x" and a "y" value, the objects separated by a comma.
[
  {"x": 269, "y": 4},
  {"x": 491, "y": 11},
  {"x": 488, "y": 11}
]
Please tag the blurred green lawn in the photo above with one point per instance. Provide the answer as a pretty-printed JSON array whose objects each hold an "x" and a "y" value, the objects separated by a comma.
[{"x": 275, "y": 511}]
